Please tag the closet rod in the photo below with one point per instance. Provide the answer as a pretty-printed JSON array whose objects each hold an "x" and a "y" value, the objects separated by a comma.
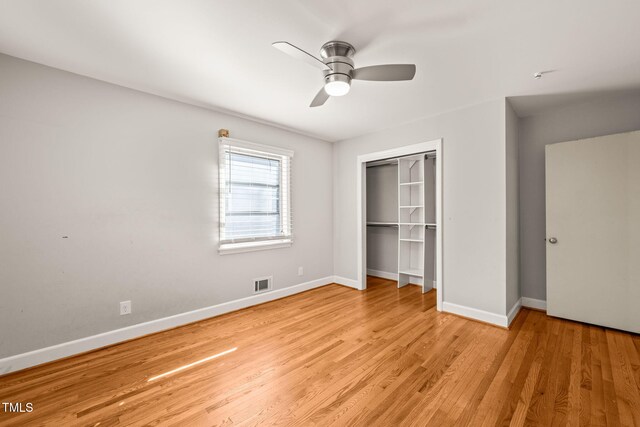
[
  {"x": 382, "y": 163},
  {"x": 394, "y": 161},
  {"x": 373, "y": 224}
]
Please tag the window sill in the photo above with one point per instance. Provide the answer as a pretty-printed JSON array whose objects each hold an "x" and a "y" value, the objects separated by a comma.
[{"x": 235, "y": 248}]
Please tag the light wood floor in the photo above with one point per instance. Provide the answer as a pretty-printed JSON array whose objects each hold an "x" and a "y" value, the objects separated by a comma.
[{"x": 337, "y": 356}]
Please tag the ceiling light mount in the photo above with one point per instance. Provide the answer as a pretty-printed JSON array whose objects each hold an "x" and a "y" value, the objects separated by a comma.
[
  {"x": 337, "y": 48},
  {"x": 538, "y": 75}
]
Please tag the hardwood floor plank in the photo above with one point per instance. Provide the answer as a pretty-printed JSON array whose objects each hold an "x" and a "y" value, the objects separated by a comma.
[
  {"x": 585, "y": 377},
  {"x": 598, "y": 415},
  {"x": 337, "y": 356},
  {"x": 575, "y": 378},
  {"x": 610, "y": 399}
]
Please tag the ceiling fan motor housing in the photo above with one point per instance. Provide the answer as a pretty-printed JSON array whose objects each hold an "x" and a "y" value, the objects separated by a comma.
[{"x": 337, "y": 55}]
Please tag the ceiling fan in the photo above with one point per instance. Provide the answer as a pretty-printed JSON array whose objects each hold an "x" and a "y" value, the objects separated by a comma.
[{"x": 337, "y": 65}]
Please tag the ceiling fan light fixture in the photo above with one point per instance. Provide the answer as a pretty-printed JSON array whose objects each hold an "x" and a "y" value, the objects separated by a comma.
[
  {"x": 337, "y": 84},
  {"x": 338, "y": 68}
]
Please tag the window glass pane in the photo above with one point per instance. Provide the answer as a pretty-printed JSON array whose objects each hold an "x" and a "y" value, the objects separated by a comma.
[
  {"x": 252, "y": 202},
  {"x": 244, "y": 198}
]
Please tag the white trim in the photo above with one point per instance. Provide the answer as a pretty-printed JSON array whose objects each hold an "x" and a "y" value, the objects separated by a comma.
[
  {"x": 361, "y": 179},
  {"x": 538, "y": 304},
  {"x": 70, "y": 348},
  {"x": 383, "y": 274},
  {"x": 474, "y": 313},
  {"x": 268, "y": 149},
  {"x": 406, "y": 150},
  {"x": 514, "y": 311},
  {"x": 235, "y": 248},
  {"x": 361, "y": 232},
  {"x": 439, "y": 279},
  {"x": 346, "y": 282}
]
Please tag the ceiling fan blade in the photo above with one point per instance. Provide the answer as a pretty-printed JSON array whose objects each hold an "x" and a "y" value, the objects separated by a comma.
[
  {"x": 385, "y": 73},
  {"x": 320, "y": 98},
  {"x": 300, "y": 54}
]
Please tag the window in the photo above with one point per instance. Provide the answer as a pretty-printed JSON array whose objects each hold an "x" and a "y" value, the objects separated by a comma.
[{"x": 255, "y": 196}]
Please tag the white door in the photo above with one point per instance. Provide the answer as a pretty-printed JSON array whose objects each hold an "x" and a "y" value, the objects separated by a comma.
[{"x": 593, "y": 230}]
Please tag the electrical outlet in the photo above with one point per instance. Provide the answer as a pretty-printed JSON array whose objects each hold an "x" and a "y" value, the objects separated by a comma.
[
  {"x": 125, "y": 307},
  {"x": 300, "y": 271}
]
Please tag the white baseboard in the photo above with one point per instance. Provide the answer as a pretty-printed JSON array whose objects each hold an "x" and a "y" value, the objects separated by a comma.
[
  {"x": 514, "y": 311},
  {"x": 383, "y": 274},
  {"x": 346, "y": 282},
  {"x": 538, "y": 304},
  {"x": 59, "y": 351},
  {"x": 474, "y": 313}
]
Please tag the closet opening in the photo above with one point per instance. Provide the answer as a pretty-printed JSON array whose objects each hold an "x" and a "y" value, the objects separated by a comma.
[{"x": 399, "y": 218}]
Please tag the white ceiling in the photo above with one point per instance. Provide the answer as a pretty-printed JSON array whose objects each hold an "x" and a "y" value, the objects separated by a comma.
[{"x": 218, "y": 54}]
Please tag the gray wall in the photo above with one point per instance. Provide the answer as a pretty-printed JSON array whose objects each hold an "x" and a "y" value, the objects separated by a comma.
[
  {"x": 382, "y": 249},
  {"x": 382, "y": 193},
  {"x": 382, "y": 206},
  {"x": 131, "y": 179},
  {"x": 513, "y": 244},
  {"x": 583, "y": 120},
  {"x": 474, "y": 207}
]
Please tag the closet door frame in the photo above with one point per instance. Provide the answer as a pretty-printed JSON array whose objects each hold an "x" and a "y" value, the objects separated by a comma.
[{"x": 361, "y": 203}]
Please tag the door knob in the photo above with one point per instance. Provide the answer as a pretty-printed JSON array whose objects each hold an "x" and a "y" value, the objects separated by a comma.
[{"x": 553, "y": 240}]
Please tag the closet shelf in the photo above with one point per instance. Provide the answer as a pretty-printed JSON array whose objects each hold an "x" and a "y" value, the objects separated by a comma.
[
  {"x": 411, "y": 207},
  {"x": 412, "y": 240},
  {"x": 382, "y": 224},
  {"x": 417, "y": 272},
  {"x": 412, "y": 223},
  {"x": 412, "y": 183}
]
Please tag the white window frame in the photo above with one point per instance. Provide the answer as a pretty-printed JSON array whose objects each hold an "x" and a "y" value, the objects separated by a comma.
[{"x": 273, "y": 242}]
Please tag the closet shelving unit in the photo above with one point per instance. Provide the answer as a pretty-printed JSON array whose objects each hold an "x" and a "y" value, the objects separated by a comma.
[
  {"x": 411, "y": 219},
  {"x": 416, "y": 222}
]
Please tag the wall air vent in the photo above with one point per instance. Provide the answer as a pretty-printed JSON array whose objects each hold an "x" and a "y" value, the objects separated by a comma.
[{"x": 262, "y": 284}]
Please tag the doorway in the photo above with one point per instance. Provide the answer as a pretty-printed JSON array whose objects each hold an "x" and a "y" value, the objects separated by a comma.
[{"x": 408, "y": 151}]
